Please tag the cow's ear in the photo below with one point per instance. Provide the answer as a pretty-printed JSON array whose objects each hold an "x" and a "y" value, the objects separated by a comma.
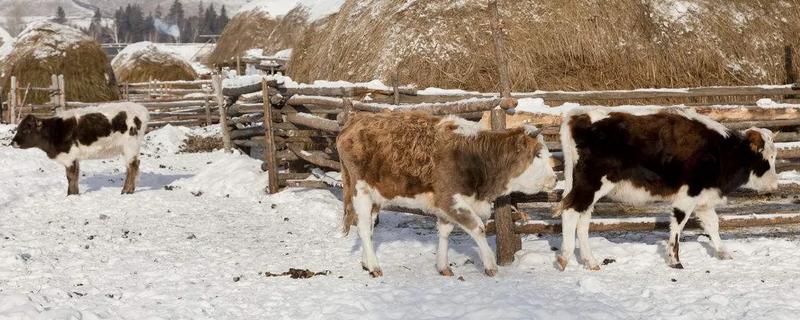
[
  {"x": 531, "y": 130},
  {"x": 756, "y": 140}
]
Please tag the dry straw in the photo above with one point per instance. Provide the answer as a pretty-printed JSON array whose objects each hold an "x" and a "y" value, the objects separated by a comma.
[
  {"x": 45, "y": 49},
  {"x": 554, "y": 45},
  {"x": 258, "y": 30},
  {"x": 147, "y": 61}
]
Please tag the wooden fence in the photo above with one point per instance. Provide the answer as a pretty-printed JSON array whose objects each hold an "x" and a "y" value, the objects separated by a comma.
[
  {"x": 299, "y": 132},
  {"x": 169, "y": 102}
]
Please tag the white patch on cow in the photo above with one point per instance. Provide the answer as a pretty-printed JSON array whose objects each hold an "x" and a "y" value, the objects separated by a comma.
[
  {"x": 113, "y": 145},
  {"x": 538, "y": 176},
  {"x": 768, "y": 181},
  {"x": 481, "y": 208},
  {"x": 465, "y": 127}
]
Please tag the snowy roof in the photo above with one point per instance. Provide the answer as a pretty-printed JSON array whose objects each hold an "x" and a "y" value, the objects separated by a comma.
[
  {"x": 318, "y": 9},
  {"x": 50, "y": 39}
]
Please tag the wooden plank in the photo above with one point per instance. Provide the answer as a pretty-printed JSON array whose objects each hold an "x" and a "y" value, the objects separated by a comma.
[
  {"x": 269, "y": 153},
  {"x": 323, "y": 102},
  {"x": 318, "y": 158},
  {"x": 463, "y": 106},
  {"x": 311, "y": 121}
]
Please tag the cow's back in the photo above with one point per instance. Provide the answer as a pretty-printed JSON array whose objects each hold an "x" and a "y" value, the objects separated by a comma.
[{"x": 395, "y": 146}]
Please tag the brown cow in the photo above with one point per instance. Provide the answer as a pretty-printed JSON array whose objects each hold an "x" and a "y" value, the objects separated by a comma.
[{"x": 449, "y": 167}]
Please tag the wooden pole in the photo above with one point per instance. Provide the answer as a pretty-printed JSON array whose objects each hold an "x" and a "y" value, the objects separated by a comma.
[
  {"x": 500, "y": 49},
  {"x": 396, "y": 86},
  {"x": 12, "y": 102},
  {"x": 150, "y": 88},
  {"x": 238, "y": 65},
  {"x": 62, "y": 92},
  {"x": 791, "y": 72},
  {"x": 269, "y": 142},
  {"x": 2, "y": 108},
  {"x": 126, "y": 92},
  {"x": 223, "y": 113},
  {"x": 207, "y": 106},
  {"x": 54, "y": 91}
]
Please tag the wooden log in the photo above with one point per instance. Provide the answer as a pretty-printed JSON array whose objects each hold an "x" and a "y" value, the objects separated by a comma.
[
  {"x": 506, "y": 235},
  {"x": 62, "y": 92},
  {"x": 349, "y": 92},
  {"x": 396, "y": 86},
  {"x": 763, "y": 124},
  {"x": 223, "y": 119},
  {"x": 322, "y": 102},
  {"x": 307, "y": 184},
  {"x": 12, "y": 101},
  {"x": 656, "y": 223},
  {"x": 789, "y": 153},
  {"x": 269, "y": 153},
  {"x": 499, "y": 49},
  {"x": 173, "y": 83},
  {"x": 457, "y": 107},
  {"x": 207, "y": 107},
  {"x": 294, "y": 175},
  {"x": 54, "y": 88},
  {"x": 311, "y": 121},
  {"x": 315, "y": 157}
]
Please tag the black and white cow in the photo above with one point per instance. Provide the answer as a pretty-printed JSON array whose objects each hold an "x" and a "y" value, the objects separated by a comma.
[
  {"x": 100, "y": 132},
  {"x": 657, "y": 154}
]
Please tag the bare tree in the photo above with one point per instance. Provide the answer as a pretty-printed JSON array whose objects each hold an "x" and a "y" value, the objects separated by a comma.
[{"x": 13, "y": 16}]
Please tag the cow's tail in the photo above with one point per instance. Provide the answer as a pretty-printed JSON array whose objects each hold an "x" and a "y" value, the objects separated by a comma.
[
  {"x": 349, "y": 219},
  {"x": 570, "y": 150}
]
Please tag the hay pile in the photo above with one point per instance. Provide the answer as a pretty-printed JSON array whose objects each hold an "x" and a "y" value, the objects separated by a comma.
[
  {"x": 143, "y": 61},
  {"x": 46, "y": 48},
  {"x": 269, "y": 28},
  {"x": 554, "y": 44}
]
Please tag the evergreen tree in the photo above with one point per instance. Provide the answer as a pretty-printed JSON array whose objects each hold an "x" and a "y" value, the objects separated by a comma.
[
  {"x": 61, "y": 16},
  {"x": 210, "y": 20},
  {"x": 223, "y": 20},
  {"x": 96, "y": 28},
  {"x": 176, "y": 14},
  {"x": 159, "y": 12}
]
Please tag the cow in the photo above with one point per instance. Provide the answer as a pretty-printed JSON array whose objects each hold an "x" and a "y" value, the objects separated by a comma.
[
  {"x": 100, "y": 132},
  {"x": 449, "y": 167},
  {"x": 667, "y": 154}
]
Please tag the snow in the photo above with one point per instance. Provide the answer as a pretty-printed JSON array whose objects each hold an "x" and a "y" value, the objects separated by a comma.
[
  {"x": 317, "y": 9},
  {"x": 145, "y": 50},
  {"x": 6, "y": 43},
  {"x": 192, "y": 52},
  {"x": 177, "y": 253},
  {"x": 49, "y": 39}
]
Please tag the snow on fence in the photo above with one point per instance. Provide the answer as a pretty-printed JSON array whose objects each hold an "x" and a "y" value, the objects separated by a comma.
[{"x": 298, "y": 138}]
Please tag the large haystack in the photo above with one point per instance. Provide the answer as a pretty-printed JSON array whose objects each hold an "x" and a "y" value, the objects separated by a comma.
[
  {"x": 270, "y": 26},
  {"x": 144, "y": 61},
  {"x": 554, "y": 44},
  {"x": 46, "y": 48}
]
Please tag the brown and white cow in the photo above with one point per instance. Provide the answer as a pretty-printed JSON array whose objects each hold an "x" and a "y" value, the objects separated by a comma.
[
  {"x": 648, "y": 155},
  {"x": 100, "y": 132},
  {"x": 449, "y": 167}
]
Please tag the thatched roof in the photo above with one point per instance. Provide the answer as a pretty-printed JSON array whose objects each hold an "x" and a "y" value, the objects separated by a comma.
[
  {"x": 46, "y": 48},
  {"x": 553, "y": 44},
  {"x": 257, "y": 28},
  {"x": 143, "y": 61}
]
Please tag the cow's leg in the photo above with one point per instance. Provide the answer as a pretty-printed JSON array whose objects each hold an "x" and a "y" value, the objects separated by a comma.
[
  {"x": 442, "y": 263},
  {"x": 681, "y": 211},
  {"x": 577, "y": 216},
  {"x": 133, "y": 174},
  {"x": 472, "y": 224},
  {"x": 73, "y": 174},
  {"x": 363, "y": 206},
  {"x": 710, "y": 221}
]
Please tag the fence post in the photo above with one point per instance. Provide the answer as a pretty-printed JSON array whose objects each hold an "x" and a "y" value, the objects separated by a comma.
[
  {"x": 207, "y": 105},
  {"x": 12, "y": 102},
  {"x": 2, "y": 109},
  {"x": 126, "y": 92},
  {"x": 223, "y": 113},
  {"x": 62, "y": 93},
  {"x": 269, "y": 141},
  {"x": 54, "y": 91},
  {"x": 396, "y": 86},
  {"x": 150, "y": 88},
  {"x": 791, "y": 72}
]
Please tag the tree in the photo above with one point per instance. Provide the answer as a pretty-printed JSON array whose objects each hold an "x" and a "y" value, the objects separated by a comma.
[
  {"x": 176, "y": 14},
  {"x": 223, "y": 19},
  {"x": 96, "y": 28},
  {"x": 210, "y": 20},
  {"x": 159, "y": 13},
  {"x": 61, "y": 16}
]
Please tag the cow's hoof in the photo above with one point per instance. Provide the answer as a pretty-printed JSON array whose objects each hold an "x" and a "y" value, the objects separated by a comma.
[
  {"x": 594, "y": 267},
  {"x": 446, "y": 272},
  {"x": 490, "y": 272},
  {"x": 724, "y": 255},
  {"x": 676, "y": 266},
  {"x": 377, "y": 273},
  {"x": 127, "y": 192},
  {"x": 562, "y": 262},
  {"x": 364, "y": 267}
]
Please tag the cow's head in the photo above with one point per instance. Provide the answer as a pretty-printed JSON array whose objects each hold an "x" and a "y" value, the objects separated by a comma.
[
  {"x": 539, "y": 175},
  {"x": 29, "y": 133},
  {"x": 760, "y": 142}
]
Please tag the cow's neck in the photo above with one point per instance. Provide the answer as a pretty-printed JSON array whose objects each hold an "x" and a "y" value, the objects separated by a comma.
[
  {"x": 735, "y": 165},
  {"x": 56, "y": 137}
]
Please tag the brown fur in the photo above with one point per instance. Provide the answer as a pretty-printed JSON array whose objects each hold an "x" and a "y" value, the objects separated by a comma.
[
  {"x": 407, "y": 154},
  {"x": 130, "y": 180},
  {"x": 73, "y": 174}
]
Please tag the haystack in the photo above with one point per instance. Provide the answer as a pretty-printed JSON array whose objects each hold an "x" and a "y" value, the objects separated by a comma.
[
  {"x": 267, "y": 25},
  {"x": 46, "y": 48},
  {"x": 6, "y": 43},
  {"x": 143, "y": 61},
  {"x": 553, "y": 44}
]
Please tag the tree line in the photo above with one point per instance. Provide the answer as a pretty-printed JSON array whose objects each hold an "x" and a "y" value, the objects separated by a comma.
[{"x": 174, "y": 25}]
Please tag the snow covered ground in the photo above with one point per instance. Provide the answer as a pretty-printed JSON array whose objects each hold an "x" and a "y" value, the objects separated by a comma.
[{"x": 196, "y": 239}]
